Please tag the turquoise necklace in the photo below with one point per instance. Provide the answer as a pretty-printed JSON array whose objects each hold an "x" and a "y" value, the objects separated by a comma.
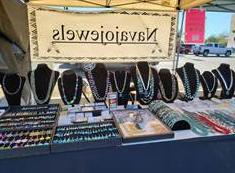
[
  {"x": 69, "y": 102},
  {"x": 188, "y": 93}
]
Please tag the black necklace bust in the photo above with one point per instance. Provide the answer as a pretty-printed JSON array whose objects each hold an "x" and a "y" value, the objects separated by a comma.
[
  {"x": 44, "y": 80},
  {"x": 70, "y": 87},
  {"x": 120, "y": 82},
  {"x": 12, "y": 85},
  {"x": 226, "y": 77},
  {"x": 146, "y": 82}
]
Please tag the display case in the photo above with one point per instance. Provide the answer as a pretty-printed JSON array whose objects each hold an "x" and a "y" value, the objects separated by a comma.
[
  {"x": 19, "y": 143},
  {"x": 85, "y": 136},
  {"x": 140, "y": 125},
  {"x": 29, "y": 117}
]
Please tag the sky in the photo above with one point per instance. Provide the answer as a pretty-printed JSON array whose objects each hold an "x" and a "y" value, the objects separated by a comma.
[{"x": 216, "y": 23}]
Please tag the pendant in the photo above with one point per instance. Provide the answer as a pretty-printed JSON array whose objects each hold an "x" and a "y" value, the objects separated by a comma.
[
  {"x": 227, "y": 92},
  {"x": 209, "y": 95},
  {"x": 120, "y": 94},
  {"x": 145, "y": 92}
]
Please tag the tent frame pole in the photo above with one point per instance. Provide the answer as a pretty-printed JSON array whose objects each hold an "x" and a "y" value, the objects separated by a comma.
[{"x": 178, "y": 42}]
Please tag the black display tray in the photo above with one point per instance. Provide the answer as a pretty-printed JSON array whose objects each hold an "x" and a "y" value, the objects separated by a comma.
[
  {"x": 26, "y": 151},
  {"x": 74, "y": 146},
  {"x": 31, "y": 109}
]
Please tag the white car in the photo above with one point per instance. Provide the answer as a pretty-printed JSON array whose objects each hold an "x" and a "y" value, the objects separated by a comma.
[{"x": 212, "y": 48}]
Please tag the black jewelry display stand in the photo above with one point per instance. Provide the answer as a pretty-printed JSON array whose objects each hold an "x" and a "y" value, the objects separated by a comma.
[
  {"x": 42, "y": 78},
  {"x": 69, "y": 85},
  {"x": 211, "y": 81},
  {"x": 12, "y": 84},
  {"x": 225, "y": 71},
  {"x": 99, "y": 74},
  {"x": 190, "y": 70},
  {"x": 120, "y": 81},
  {"x": 167, "y": 82},
  {"x": 144, "y": 70}
]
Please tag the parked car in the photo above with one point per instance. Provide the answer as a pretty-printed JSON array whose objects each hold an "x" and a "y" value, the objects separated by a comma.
[
  {"x": 186, "y": 48},
  {"x": 213, "y": 49}
]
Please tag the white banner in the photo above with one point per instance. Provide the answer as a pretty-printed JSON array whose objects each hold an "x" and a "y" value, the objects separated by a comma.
[{"x": 125, "y": 36}]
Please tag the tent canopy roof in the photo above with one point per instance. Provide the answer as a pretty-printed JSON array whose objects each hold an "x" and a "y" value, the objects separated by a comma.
[
  {"x": 165, "y": 5},
  {"x": 220, "y": 6}
]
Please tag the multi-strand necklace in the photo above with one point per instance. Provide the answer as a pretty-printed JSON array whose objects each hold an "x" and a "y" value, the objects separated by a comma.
[
  {"x": 188, "y": 92},
  {"x": 5, "y": 87},
  {"x": 69, "y": 102},
  {"x": 120, "y": 92},
  {"x": 227, "y": 88},
  {"x": 33, "y": 87},
  {"x": 210, "y": 90},
  {"x": 94, "y": 88},
  {"x": 173, "y": 90},
  {"x": 146, "y": 92}
]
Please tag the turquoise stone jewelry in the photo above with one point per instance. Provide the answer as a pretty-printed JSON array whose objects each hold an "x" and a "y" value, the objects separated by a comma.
[
  {"x": 69, "y": 102},
  {"x": 188, "y": 93},
  {"x": 146, "y": 92}
]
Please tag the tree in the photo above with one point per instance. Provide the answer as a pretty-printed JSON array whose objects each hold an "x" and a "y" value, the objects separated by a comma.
[{"x": 220, "y": 39}]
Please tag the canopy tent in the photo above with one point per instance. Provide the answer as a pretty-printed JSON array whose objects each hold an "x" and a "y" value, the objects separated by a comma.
[
  {"x": 163, "y": 5},
  {"x": 220, "y": 6},
  {"x": 14, "y": 40}
]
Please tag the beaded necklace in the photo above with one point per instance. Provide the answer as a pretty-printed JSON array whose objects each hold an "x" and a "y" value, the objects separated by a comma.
[
  {"x": 173, "y": 91},
  {"x": 71, "y": 102},
  {"x": 5, "y": 88},
  {"x": 188, "y": 92},
  {"x": 33, "y": 87},
  {"x": 207, "y": 86},
  {"x": 120, "y": 92},
  {"x": 225, "y": 83},
  {"x": 146, "y": 92},
  {"x": 94, "y": 88}
]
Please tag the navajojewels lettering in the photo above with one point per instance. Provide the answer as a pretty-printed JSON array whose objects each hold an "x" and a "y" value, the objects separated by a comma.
[{"x": 104, "y": 36}]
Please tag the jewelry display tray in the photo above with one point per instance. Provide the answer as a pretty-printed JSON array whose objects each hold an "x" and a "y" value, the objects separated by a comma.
[
  {"x": 26, "y": 151},
  {"x": 170, "y": 134},
  {"x": 32, "y": 108},
  {"x": 75, "y": 146}
]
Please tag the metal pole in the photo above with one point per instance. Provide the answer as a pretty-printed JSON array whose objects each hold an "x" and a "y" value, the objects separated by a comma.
[{"x": 176, "y": 63}]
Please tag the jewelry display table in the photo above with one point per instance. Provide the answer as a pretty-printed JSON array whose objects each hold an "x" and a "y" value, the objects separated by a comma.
[{"x": 184, "y": 153}]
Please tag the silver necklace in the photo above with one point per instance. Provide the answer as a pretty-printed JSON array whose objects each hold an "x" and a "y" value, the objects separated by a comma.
[
  {"x": 141, "y": 78},
  {"x": 5, "y": 88},
  {"x": 120, "y": 92},
  {"x": 146, "y": 93},
  {"x": 33, "y": 87},
  {"x": 88, "y": 66},
  {"x": 71, "y": 102},
  {"x": 225, "y": 83},
  {"x": 173, "y": 91},
  {"x": 207, "y": 86},
  {"x": 94, "y": 88}
]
